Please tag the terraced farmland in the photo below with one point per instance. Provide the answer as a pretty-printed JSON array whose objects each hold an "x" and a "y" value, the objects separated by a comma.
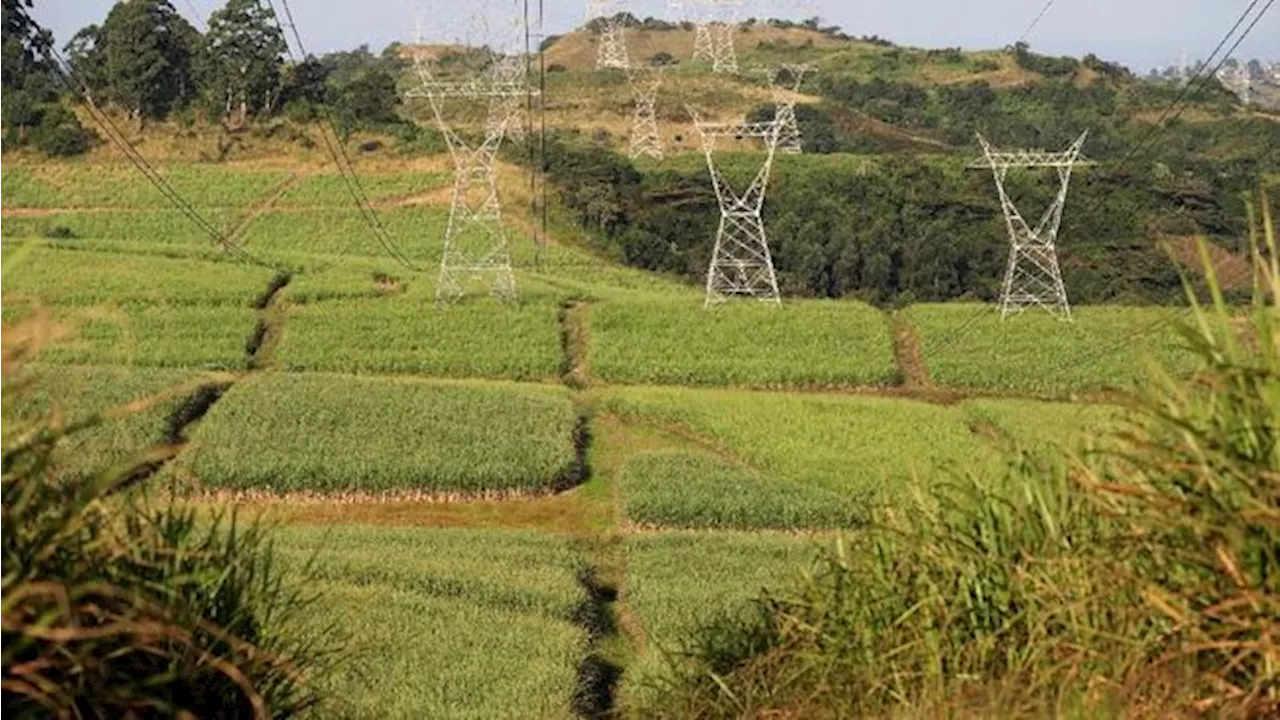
[{"x": 719, "y": 447}]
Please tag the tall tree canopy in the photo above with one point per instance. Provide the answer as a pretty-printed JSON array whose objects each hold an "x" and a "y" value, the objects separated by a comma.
[
  {"x": 245, "y": 46},
  {"x": 148, "y": 55},
  {"x": 31, "y": 93}
]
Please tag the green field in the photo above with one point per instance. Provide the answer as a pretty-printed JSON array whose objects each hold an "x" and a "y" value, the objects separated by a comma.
[
  {"x": 410, "y": 335},
  {"x": 1103, "y": 348},
  {"x": 683, "y": 489},
  {"x": 678, "y": 583},
  {"x": 443, "y": 623},
  {"x": 677, "y": 342},
  {"x": 747, "y": 433},
  {"x": 320, "y": 433},
  {"x": 330, "y": 189},
  {"x": 205, "y": 337},
  {"x": 120, "y": 185},
  {"x": 121, "y": 228},
  {"x": 866, "y": 448},
  {"x": 68, "y": 276},
  {"x": 74, "y": 394}
]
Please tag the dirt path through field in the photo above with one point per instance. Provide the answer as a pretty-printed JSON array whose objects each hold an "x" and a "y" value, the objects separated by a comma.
[{"x": 907, "y": 352}]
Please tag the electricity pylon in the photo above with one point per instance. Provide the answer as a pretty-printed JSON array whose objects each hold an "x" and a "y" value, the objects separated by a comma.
[
  {"x": 713, "y": 35},
  {"x": 1033, "y": 278},
  {"x": 475, "y": 240},
  {"x": 785, "y": 97},
  {"x": 724, "y": 57},
  {"x": 645, "y": 138},
  {"x": 741, "y": 263},
  {"x": 704, "y": 44},
  {"x": 507, "y": 109},
  {"x": 612, "y": 52}
]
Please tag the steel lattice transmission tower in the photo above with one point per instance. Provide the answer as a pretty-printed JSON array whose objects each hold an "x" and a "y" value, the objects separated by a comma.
[
  {"x": 724, "y": 57},
  {"x": 1033, "y": 278},
  {"x": 741, "y": 263},
  {"x": 506, "y": 109},
  {"x": 475, "y": 240},
  {"x": 704, "y": 44},
  {"x": 786, "y": 89},
  {"x": 645, "y": 138},
  {"x": 612, "y": 52}
]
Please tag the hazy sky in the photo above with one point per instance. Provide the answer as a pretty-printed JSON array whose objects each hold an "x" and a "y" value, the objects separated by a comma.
[{"x": 1138, "y": 33}]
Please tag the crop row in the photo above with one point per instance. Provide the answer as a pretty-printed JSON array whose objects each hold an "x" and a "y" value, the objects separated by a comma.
[
  {"x": 71, "y": 276},
  {"x": 205, "y": 337},
  {"x": 441, "y": 623},
  {"x": 410, "y": 334},
  {"x": 689, "y": 489},
  {"x": 970, "y": 346},
  {"x": 284, "y": 433},
  {"x": 678, "y": 584}
]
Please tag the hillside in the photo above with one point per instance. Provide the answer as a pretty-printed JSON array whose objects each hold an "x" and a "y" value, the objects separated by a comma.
[{"x": 883, "y": 205}]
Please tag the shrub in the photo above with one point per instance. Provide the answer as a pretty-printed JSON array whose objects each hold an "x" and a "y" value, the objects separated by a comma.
[
  {"x": 60, "y": 134},
  {"x": 662, "y": 59},
  {"x": 58, "y": 232}
]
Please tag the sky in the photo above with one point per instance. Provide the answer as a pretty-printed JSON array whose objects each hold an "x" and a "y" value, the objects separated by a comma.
[{"x": 1138, "y": 33}]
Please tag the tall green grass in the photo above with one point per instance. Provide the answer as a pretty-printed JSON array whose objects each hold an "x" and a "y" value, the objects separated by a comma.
[
  {"x": 855, "y": 446},
  {"x": 69, "y": 395},
  {"x": 1034, "y": 353},
  {"x": 203, "y": 337},
  {"x": 409, "y": 334},
  {"x": 678, "y": 583},
  {"x": 684, "y": 489},
  {"x": 65, "y": 276}
]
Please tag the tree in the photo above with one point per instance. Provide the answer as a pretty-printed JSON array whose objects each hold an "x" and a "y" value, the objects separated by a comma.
[
  {"x": 84, "y": 54},
  {"x": 148, "y": 54},
  {"x": 31, "y": 94},
  {"x": 244, "y": 46},
  {"x": 26, "y": 44},
  {"x": 362, "y": 87}
]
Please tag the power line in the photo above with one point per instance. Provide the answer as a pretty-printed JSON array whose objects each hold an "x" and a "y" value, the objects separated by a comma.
[
  {"x": 338, "y": 151},
  {"x": 1198, "y": 80},
  {"x": 196, "y": 16},
  {"x": 66, "y": 73},
  {"x": 1035, "y": 23}
]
